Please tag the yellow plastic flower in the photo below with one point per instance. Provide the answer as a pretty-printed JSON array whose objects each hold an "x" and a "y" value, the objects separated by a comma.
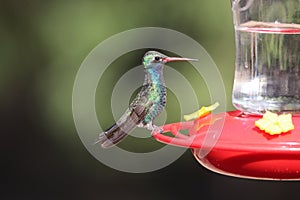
[
  {"x": 273, "y": 124},
  {"x": 202, "y": 112}
]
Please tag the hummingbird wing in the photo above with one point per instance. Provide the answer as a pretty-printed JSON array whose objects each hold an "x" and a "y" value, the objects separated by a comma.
[
  {"x": 133, "y": 116},
  {"x": 129, "y": 120}
]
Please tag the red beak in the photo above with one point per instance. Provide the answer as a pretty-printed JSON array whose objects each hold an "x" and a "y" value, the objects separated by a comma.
[{"x": 172, "y": 59}]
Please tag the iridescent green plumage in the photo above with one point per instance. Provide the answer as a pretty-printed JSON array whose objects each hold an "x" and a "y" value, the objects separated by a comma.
[{"x": 147, "y": 105}]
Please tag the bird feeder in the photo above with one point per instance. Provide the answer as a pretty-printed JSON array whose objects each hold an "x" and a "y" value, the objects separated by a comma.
[{"x": 261, "y": 139}]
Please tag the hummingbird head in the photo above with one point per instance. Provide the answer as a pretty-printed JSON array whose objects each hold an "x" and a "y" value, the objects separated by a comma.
[{"x": 154, "y": 59}]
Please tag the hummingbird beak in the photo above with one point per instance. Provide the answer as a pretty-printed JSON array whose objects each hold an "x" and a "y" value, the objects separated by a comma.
[{"x": 172, "y": 59}]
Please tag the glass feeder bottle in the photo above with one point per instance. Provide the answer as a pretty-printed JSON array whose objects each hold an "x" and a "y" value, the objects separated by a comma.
[{"x": 267, "y": 73}]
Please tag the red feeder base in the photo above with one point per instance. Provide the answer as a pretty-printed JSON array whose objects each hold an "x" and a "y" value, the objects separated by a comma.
[{"x": 239, "y": 148}]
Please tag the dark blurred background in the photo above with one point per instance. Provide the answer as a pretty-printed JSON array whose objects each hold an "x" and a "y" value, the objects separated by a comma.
[{"x": 43, "y": 44}]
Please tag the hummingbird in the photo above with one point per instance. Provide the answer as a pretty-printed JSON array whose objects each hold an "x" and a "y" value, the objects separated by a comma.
[{"x": 148, "y": 103}]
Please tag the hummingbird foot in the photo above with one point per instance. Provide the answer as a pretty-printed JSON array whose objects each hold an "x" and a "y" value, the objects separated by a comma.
[
  {"x": 154, "y": 128},
  {"x": 158, "y": 129}
]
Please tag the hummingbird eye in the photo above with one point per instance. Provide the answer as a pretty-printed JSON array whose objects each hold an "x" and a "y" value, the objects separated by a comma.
[{"x": 157, "y": 58}]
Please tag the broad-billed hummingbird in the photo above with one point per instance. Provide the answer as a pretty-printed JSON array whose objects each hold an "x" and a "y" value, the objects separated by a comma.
[{"x": 148, "y": 103}]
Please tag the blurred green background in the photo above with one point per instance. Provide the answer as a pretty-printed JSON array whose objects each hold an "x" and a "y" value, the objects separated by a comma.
[{"x": 43, "y": 44}]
